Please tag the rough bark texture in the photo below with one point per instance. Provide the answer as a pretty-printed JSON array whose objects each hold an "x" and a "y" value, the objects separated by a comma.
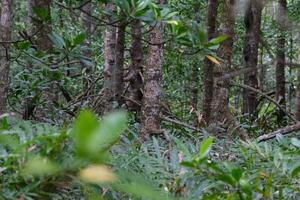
[
  {"x": 252, "y": 23},
  {"x": 87, "y": 24},
  {"x": 208, "y": 84},
  {"x": 220, "y": 105},
  {"x": 136, "y": 70},
  {"x": 297, "y": 114},
  {"x": 43, "y": 27},
  {"x": 152, "y": 86},
  {"x": 5, "y": 35},
  {"x": 118, "y": 74},
  {"x": 280, "y": 58},
  {"x": 109, "y": 63},
  {"x": 30, "y": 17}
]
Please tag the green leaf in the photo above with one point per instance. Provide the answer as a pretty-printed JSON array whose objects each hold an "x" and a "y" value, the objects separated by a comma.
[
  {"x": 41, "y": 13},
  {"x": 84, "y": 126},
  {"x": 79, "y": 39},
  {"x": 205, "y": 148},
  {"x": 246, "y": 187},
  {"x": 296, "y": 142},
  {"x": 108, "y": 132},
  {"x": 38, "y": 166},
  {"x": 295, "y": 171},
  {"x": 237, "y": 174},
  {"x": 57, "y": 40},
  {"x": 218, "y": 40}
]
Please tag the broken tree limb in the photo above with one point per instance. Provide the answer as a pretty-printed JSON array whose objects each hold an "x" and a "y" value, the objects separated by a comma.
[
  {"x": 174, "y": 121},
  {"x": 267, "y": 97},
  {"x": 282, "y": 131}
]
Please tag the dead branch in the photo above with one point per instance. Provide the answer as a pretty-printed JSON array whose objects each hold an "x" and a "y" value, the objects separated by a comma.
[
  {"x": 283, "y": 131},
  {"x": 267, "y": 97}
]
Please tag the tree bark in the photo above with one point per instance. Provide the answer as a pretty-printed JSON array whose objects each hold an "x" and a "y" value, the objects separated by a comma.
[
  {"x": 252, "y": 23},
  {"x": 5, "y": 35},
  {"x": 119, "y": 68},
  {"x": 136, "y": 70},
  {"x": 280, "y": 58},
  {"x": 43, "y": 27},
  {"x": 208, "y": 84},
  {"x": 152, "y": 87},
  {"x": 87, "y": 25},
  {"x": 297, "y": 114},
  {"x": 109, "y": 63},
  {"x": 220, "y": 106}
]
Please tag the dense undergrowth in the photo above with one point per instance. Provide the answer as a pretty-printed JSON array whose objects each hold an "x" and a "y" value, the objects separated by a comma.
[{"x": 105, "y": 160}]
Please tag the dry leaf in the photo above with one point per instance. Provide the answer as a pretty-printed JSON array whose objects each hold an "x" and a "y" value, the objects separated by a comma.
[{"x": 213, "y": 59}]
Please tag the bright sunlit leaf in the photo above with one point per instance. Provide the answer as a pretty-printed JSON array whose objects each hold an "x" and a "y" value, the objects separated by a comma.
[
  {"x": 213, "y": 59},
  {"x": 97, "y": 174}
]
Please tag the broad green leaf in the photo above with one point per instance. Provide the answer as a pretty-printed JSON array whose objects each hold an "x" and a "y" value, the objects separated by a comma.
[
  {"x": 246, "y": 187},
  {"x": 295, "y": 171},
  {"x": 237, "y": 174},
  {"x": 205, "y": 148},
  {"x": 84, "y": 128},
  {"x": 79, "y": 39},
  {"x": 108, "y": 133},
  {"x": 296, "y": 142},
  {"x": 42, "y": 13},
  {"x": 38, "y": 166}
]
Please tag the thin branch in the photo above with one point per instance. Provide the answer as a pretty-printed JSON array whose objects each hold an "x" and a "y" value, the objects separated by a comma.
[
  {"x": 266, "y": 96},
  {"x": 283, "y": 131}
]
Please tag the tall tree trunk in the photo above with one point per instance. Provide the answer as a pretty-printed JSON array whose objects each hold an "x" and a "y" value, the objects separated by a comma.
[
  {"x": 297, "y": 114},
  {"x": 280, "y": 58},
  {"x": 252, "y": 23},
  {"x": 220, "y": 105},
  {"x": 119, "y": 68},
  {"x": 43, "y": 27},
  {"x": 152, "y": 86},
  {"x": 87, "y": 25},
  {"x": 30, "y": 17},
  {"x": 5, "y": 35},
  {"x": 109, "y": 63},
  {"x": 134, "y": 76},
  {"x": 212, "y": 8}
]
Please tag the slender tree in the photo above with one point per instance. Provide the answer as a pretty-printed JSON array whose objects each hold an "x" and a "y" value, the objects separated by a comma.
[
  {"x": 87, "y": 25},
  {"x": 134, "y": 76},
  {"x": 5, "y": 36},
  {"x": 208, "y": 85},
  {"x": 110, "y": 62},
  {"x": 43, "y": 27},
  {"x": 280, "y": 58},
  {"x": 297, "y": 114},
  {"x": 252, "y": 23},
  {"x": 118, "y": 82},
  {"x": 220, "y": 106},
  {"x": 152, "y": 85}
]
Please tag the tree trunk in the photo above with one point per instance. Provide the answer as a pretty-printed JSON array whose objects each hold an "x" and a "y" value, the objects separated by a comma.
[
  {"x": 43, "y": 27},
  {"x": 208, "y": 84},
  {"x": 109, "y": 63},
  {"x": 136, "y": 70},
  {"x": 5, "y": 35},
  {"x": 280, "y": 59},
  {"x": 30, "y": 17},
  {"x": 297, "y": 114},
  {"x": 119, "y": 68},
  {"x": 220, "y": 105},
  {"x": 87, "y": 25},
  {"x": 252, "y": 23},
  {"x": 152, "y": 87}
]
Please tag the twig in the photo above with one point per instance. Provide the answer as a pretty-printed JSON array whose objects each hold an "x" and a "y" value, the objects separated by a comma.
[
  {"x": 282, "y": 131},
  {"x": 266, "y": 96}
]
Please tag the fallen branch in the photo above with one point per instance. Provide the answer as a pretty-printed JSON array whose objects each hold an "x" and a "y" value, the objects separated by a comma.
[
  {"x": 267, "y": 97},
  {"x": 174, "y": 121},
  {"x": 282, "y": 131}
]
